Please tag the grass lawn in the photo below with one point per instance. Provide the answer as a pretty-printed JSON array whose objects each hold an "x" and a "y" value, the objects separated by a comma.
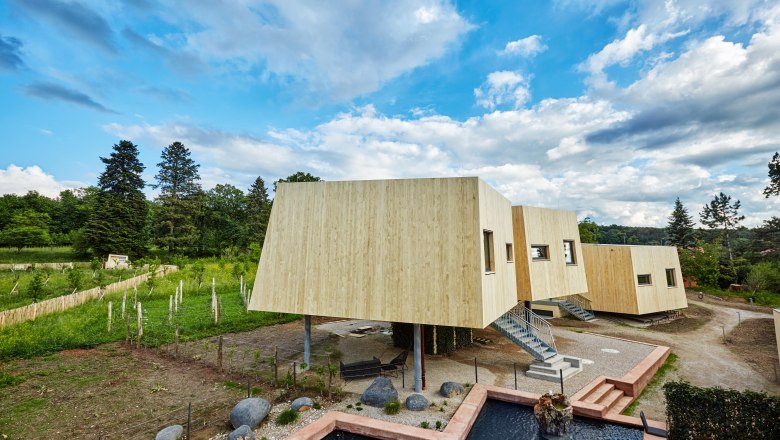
[
  {"x": 56, "y": 286},
  {"x": 768, "y": 299},
  {"x": 86, "y": 325},
  {"x": 62, "y": 254}
]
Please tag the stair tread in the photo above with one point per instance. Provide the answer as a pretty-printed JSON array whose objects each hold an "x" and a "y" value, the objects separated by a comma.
[
  {"x": 599, "y": 392},
  {"x": 622, "y": 404},
  {"x": 610, "y": 398}
]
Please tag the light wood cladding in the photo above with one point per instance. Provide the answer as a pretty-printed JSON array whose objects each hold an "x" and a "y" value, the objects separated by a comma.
[
  {"x": 551, "y": 278},
  {"x": 390, "y": 250},
  {"x": 612, "y": 278}
]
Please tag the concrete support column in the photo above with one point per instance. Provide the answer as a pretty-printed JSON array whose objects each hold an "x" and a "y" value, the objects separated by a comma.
[
  {"x": 307, "y": 340},
  {"x": 417, "y": 359}
]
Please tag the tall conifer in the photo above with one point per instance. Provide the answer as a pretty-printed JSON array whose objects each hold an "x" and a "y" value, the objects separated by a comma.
[
  {"x": 680, "y": 227},
  {"x": 179, "y": 201}
]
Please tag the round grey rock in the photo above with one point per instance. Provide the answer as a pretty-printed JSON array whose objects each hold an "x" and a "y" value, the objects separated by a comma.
[
  {"x": 243, "y": 432},
  {"x": 173, "y": 432},
  {"x": 302, "y": 404},
  {"x": 249, "y": 412},
  {"x": 379, "y": 393},
  {"x": 417, "y": 402},
  {"x": 451, "y": 389}
]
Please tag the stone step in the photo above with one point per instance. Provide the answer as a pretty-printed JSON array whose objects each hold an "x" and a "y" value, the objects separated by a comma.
[
  {"x": 622, "y": 404},
  {"x": 610, "y": 398},
  {"x": 552, "y": 369},
  {"x": 599, "y": 392},
  {"x": 555, "y": 377}
]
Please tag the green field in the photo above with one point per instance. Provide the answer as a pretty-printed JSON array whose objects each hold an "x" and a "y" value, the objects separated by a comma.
[
  {"x": 63, "y": 254},
  {"x": 86, "y": 325},
  {"x": 57, "y": 284}
]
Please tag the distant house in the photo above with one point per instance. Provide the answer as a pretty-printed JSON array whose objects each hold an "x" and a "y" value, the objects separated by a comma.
[
  {"x": 115, "y": 261},
  {"x": 633, "y": 279}
]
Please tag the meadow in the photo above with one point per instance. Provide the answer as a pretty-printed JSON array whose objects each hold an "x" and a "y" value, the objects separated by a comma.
[{"x": 52, "y": 254}]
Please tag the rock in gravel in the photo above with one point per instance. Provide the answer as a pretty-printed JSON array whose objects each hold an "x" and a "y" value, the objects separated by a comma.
[
  {"x": 302, "y": 404},
  {"x": 249, "y": 412},
  {"x": 243, "y": 432},
  {"x": 451, "y": 389},
  {"x": 379, "y": 392},
  {"x": 173, "y": 432},
  {"x": 417, "y": 402}
]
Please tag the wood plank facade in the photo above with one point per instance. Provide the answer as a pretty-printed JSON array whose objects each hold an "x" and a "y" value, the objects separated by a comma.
[
  {"x": 633, "y": 279},
  {"x": 541, "y": 277},
  {"x": 410, "y": 250}
]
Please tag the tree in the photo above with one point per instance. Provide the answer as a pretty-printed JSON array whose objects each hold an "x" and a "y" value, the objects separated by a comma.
[
  {"x": 179, "y": 201},
  {"x": 299, "y": 176},
  {"x": 702, "y": 262},
  {"x": 258, "y": 211},
  {"x": 37, "y": 286},
  {"x": 721, "y": 213},
  {"x": 118, "y": 220},
  {"x": 774, "y": 177},
  {"x": 224, "y": 228},
  {"x": 680, "y": 228},
  {"x": 27, "y": 228},
  {"x": 589, "y": 231},
  {"x": 75, "y": 278}
]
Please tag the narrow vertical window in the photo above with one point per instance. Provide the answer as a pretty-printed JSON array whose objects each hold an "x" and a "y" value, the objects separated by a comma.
[
  {"x": 568, "y": 252},
  {"x": 510, "y": 255},
  {"x": 671, "y": 280},
  {"x": 487, "y": 237}
]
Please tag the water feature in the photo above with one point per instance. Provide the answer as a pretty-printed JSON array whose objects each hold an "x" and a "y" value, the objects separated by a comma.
[{"x": 502, "y": 420}]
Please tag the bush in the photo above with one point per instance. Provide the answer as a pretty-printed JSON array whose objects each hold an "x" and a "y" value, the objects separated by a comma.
[
  {"x": 287, "y": 416},
  {"x": 425, "y": 425},
  {"x": 393, "y": 407},
  {"x": 694, "y": 413}
]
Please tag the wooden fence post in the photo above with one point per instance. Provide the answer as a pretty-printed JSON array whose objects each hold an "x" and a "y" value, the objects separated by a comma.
[
  {"x": 276, "y": 366},
  {"x": 219, "y": 353},
  {"x": 140, "y": 325},
  {"x": 109, "y": 316},
  {"x": 170, "y": 308},
  {"x": 176, "y": 349}
]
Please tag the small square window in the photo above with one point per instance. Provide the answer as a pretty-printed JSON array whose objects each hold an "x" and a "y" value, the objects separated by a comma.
[
  {"x": 568, "y": 252},
  {"x": 540, "y": 252},
  {"x": 644, "y": 279},
  {"x": 510, "y": 255},
  {"x": 490, "y": 259},
  {"x": 671, "y": 280}
]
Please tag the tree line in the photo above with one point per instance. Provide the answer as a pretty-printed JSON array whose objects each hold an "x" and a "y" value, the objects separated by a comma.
[{"x": 115, "y": 215}]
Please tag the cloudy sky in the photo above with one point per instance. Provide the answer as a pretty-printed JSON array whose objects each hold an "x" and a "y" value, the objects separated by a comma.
[{"x": 608, "y": 108}]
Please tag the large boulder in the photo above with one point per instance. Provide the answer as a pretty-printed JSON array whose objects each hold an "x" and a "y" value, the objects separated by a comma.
[
  {"x": 249, "y": 412},
  {"x": 451, "y": 389},
  {"x": 379, "y": 392},
  {"x": 243, "y": 432},
  {"x": 302, "y": 404},
  {"x": 173, "y": 432},
  {"x": 417, "y": 402}
]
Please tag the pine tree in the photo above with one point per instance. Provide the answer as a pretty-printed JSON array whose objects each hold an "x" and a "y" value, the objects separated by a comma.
[
  {"x": 117, "y": 223},
  {"x": 680, "y": 228},
  {"x": 721, "y": 213},
  {"x": 774, "y": 177},
  {"x": 179, "y": 200},
  {"x": 259, "y": 210}
]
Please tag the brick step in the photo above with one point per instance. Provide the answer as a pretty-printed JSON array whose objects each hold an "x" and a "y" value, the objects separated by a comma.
[
  {"x": 611, "y": 398},
  {"x": 621, "y": 404},
  {"x": 599, "y": 392}
]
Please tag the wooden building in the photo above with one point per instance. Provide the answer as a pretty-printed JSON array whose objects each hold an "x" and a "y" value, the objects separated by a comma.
[
  {"x": 633, "y": 279},
  {"x": 422, "y": 251},
  {"x": 548, "y": 253}
]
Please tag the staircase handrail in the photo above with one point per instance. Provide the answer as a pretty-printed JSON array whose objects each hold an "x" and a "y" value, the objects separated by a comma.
[
  {"x": 541, "y": 328},
  {"x": 580, "y": 301}
]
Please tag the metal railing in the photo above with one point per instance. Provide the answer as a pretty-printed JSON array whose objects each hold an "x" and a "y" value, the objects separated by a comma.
[{"x": 537, "y": 326}]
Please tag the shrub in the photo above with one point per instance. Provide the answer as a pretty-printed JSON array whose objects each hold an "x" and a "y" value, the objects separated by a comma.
[
  {"x": 425, "y": 424},
  {"x": 438, "y": 424},
  {"x": 287, "y": 416},
  {"x": 694, "y": 413},
  {"x": 317, "y": 405},
  {"x": 392, "y": 407}
]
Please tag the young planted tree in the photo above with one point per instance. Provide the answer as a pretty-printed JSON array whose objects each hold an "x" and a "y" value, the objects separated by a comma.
[
  {"x": 680, "y": 227},
  {"x": 179, "y": 200},
  {"x": 258, "y": 211},
  {"x": 119, "y": 216},
  {"x": 36, "y": 287},
  {"x": 720, "y": 213},
  {"x": 773, "y": 189}
]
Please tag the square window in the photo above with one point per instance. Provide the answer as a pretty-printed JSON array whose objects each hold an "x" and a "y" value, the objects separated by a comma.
[
  {"x": 490, "y": 259},
  {"x": 671, "y": 280},
  {"x": 644, "y": 279},
  {"x": 568, "y": 252},
  {"x": 510, "y": 255},
  {"x": 540, "y": 252}
]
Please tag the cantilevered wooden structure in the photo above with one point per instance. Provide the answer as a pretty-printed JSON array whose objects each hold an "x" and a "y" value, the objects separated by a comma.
[
  {"x": 548, "y": 253},
  {"x": 633, "y": 279}
]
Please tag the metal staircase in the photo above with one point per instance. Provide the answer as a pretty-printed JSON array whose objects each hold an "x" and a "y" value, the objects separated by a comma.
[
  {"x": 529, "y": 331},
  {"x": 577, "y": 306}
]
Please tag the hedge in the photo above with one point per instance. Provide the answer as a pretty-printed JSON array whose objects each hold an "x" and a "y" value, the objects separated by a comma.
[
  {"x": 717, "y": 413},
  {"x": 448, "y": 339}
]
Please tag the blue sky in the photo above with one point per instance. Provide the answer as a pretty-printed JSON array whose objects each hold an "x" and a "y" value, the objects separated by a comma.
[{"x": 608, "y": 108}]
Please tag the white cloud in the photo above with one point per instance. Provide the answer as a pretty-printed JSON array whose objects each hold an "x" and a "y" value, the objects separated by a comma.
[
  {"x": 18, "y": 180},
  {"x": 503, "y": 88},
  {"x": 525, "y": 47}
]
